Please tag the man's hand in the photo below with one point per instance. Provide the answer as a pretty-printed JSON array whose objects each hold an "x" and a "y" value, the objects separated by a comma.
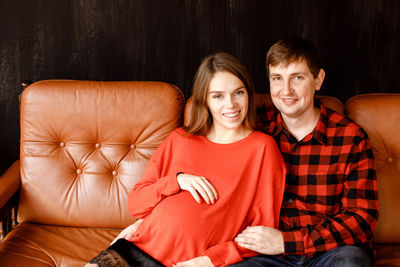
[
  {"x": 128, "y": 231},
  {"x": 262, "y": 239},
  {"x": 198, "y": 185},
  {"x": 202, "y": 261}
]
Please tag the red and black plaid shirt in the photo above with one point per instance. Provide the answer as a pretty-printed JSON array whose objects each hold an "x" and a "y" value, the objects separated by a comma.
[{"x": 331, "y": 194}]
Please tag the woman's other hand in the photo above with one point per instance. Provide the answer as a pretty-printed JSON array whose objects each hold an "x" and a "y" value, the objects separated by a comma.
[
  {"x": 198, "y": 185},
  {"x": 128, "y": 232},
  {"x": 202, "y": 261}
]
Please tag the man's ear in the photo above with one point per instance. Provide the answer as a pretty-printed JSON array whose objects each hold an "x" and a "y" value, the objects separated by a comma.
[{"x": 319, "y": 80}]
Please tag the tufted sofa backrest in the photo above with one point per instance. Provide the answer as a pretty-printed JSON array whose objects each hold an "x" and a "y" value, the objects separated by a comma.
[
  {"x": 379, "y": 116},
  {"x": 84, "y": 144}
]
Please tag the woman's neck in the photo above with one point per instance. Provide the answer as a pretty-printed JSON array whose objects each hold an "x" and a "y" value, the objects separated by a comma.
[{"x": 227, "y": 136}]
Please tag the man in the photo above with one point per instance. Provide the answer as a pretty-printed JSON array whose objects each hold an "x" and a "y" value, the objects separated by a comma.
[{"x": 330, "y": 205}]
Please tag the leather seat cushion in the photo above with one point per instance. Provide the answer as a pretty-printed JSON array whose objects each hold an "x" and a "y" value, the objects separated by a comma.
[
  {"x": 37, "y": 245},
  {"x": 387, "y": 255}
]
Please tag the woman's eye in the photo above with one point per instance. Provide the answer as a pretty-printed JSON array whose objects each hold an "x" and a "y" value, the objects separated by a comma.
[
  {"x": 276, "y": 78},
  {"x": 240, "y": 92},
  {"x": 217, "y": 96}
]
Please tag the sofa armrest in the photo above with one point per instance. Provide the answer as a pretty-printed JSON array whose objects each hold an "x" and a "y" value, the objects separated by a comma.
[{"x": 9, "y": 183}]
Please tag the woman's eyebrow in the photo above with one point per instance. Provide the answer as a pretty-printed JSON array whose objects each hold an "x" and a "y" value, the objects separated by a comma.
[{"x": 234, "y": 90}]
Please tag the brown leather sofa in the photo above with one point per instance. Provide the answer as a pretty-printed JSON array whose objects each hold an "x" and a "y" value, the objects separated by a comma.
[
  {"x": 379, "y": 115},
  {"x": 85, "y": 144}
]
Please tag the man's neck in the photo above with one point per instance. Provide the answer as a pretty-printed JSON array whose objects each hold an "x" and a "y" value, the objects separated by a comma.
[{"x": 300, "y": 126}]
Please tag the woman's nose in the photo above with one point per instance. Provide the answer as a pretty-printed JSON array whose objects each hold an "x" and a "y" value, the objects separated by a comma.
[{"x": 231, "y": 102}]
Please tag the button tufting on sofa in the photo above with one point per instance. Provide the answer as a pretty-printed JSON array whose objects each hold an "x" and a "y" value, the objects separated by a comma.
[
  {"x": 112, "y": 129},
  {"x": 84, "y": 215}
]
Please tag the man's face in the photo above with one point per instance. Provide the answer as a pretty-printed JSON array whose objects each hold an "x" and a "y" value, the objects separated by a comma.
[{"x": 293, "y": 87}]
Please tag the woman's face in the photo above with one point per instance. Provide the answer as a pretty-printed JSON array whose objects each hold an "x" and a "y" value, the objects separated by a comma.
[{"x": 227, "y": 101}]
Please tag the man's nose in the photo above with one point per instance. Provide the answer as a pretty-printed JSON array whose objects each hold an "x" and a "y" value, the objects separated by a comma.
[{"x": 286, "y": 87}]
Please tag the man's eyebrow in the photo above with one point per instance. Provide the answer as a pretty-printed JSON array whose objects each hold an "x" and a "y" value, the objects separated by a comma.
[
  {"x": 297, "y": 73},
  {"x": 292, "y": 74},
  {"x": 273, "y": 73}
]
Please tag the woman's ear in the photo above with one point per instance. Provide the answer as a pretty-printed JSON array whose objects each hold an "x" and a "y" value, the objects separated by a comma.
[{"x": 319, "y": 80}]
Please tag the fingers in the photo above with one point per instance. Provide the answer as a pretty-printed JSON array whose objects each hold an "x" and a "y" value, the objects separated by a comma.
[
  {"x": 248, "y": 246},
  {"x": 248, "y": 241},
  {"x": 212, "y": 193},
  {"x": 252, "y": 229},
  {"x": 128, "y": 232},
  {"x": 201, "y": 261},
  {"x": 204, "y": 189},
  {"x": 195, "y": 195},
  {"x": 198, "y": 186},
  {"x": 248, "y": 237},
  {"x": 134, "y": 227},
  {"x": 245, "y": 238},
  {"x": 121, "y": 235},
  {"x": 115, "y": 240}
]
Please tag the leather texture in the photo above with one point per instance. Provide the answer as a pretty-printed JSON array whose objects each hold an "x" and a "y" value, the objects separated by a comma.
[
  {"x": 387, "y": 255},
  {"x": 379, "y": 116},
  {"x": 84, "y": 145},
  {"x": 9, "y": 183},
  {"x": 37, "y": 245}
]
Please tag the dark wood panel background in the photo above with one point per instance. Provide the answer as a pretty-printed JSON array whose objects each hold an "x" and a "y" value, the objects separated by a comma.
[{"x": 165, "y": 40}]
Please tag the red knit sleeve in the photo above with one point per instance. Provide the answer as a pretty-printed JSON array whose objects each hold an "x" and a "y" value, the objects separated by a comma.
[
  {"x": 152, "y": 187},
  {"x": 268, "y": 198}
]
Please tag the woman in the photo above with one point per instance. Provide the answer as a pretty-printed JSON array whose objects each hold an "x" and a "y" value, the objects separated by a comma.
[{"x": 210, "y": 179}]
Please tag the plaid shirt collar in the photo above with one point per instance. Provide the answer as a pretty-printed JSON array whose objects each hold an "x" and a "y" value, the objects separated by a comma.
[{"x": 319, "y": 133}]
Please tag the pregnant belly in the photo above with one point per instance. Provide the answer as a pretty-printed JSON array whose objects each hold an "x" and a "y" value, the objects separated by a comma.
[
  {"x": 180, "y": 224},
  {"x": 181, "y": 213}
]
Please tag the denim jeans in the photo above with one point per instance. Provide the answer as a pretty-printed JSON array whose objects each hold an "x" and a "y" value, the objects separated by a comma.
[{"x": 345, "y": 256}]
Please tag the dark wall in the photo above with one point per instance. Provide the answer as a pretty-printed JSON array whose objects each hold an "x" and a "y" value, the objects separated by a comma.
[{"x": 165, "y": 40}]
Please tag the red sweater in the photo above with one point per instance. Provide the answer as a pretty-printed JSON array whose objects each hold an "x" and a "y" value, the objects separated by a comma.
[{"x": 249, "y": 176}]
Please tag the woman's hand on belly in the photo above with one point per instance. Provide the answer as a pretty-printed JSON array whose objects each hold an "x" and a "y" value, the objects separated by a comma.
[
  {"x": 198, "y": 185},
  {"x": 202, "y": 261},
  {"x": 128, "y": 232}
]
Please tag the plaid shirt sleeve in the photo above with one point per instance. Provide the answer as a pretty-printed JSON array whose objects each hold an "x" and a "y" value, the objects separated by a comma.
[{"x": 356, "y": 219}]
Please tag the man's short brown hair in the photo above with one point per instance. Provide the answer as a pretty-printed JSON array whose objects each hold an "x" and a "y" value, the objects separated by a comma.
[{"x": 293, "y": 49}]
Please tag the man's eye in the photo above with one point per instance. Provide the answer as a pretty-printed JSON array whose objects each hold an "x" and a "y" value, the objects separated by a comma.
[
  {"x": 276, "y": 78},
  {"x": 298, "y": 77}
]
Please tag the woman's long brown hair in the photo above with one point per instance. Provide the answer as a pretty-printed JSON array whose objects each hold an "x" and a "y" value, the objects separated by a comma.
[{"x": 200, "y": 117}]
